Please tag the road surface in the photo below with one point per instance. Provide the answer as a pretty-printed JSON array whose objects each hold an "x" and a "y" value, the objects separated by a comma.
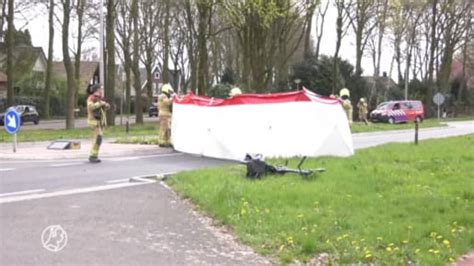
[{"x": 110, "y": 220}]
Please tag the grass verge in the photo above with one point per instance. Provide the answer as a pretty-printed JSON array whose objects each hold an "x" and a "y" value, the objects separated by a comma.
[
  {"x": 80, "y": 133},
  {"x": 359, "y": 127},
  {"x": 386, "y": 205},
  {"x": 146, "y": 140}
]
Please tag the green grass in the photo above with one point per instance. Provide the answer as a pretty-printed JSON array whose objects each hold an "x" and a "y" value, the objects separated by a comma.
[
  {"x": 386, "y": 205},
  {"x": 358, "y": 127},
  {"x": 146, "y": 140},
  {"x": 80, "y": 133}
]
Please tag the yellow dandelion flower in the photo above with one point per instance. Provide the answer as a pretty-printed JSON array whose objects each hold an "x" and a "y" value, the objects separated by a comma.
[
  {"x": 436, "y": 251},
  {"x": 405, "y": 241},
  {"x": 446, "y": 242},
  {"x": 430, "y": 250},
  {"x": 396, "y": 249},
  {"x": 388, "y": 249},
  {"x": 439, "y": 237},
  {"x": 368, "y": 256}
]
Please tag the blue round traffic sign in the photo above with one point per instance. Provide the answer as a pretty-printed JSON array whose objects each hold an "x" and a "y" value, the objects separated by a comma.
[{"x": 12, "y": 121}]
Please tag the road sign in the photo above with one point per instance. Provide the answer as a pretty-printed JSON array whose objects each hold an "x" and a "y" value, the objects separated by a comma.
[
  {"x": 438, "y": 98},
  {"x": 12, "y": 121}
]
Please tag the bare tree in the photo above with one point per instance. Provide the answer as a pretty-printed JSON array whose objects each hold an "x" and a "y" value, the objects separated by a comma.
[
  {"x": 124, "y": 30},
  {"x": 71, "y": 84},
  {"x": 110, "y": 47},
  {"x": 135, "y": 63},
  {"x": 49, "y": 65},
  {"x": 10, "y": 32},
  {"x": 361, "y": 18},
  {"x": 453, "y": 27},
  {"x": 342, "y": 25},
  {"x": 320, "y": 18}
]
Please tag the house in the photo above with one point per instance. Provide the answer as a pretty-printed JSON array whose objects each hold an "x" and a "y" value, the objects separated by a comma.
[
  {"x": 28, "y": 62},
  {"x": 381, "y": 89},
  {"x": 88, "y": 69},
  {"x": 3, "y": 85}
]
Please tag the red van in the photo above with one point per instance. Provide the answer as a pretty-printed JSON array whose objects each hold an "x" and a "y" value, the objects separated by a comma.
[{"x": 398, "y": 112}]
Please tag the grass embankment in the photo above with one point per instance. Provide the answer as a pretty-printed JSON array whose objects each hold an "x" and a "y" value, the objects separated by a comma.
[
  {"x": 385, "y": 205},
  {"x": 359, "y": 127},
  {"x": 80, "y": 133}
]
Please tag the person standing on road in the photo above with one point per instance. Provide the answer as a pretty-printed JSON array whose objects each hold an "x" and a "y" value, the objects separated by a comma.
[
  {"x": 362, "y": 106},
  {"x": 165, "y": 101},
  {"x": 96, "y": 118}
]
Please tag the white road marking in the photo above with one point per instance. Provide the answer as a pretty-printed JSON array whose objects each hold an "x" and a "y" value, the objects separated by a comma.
[
  {"x": 6, "y": 169},
  {"x": 84, "y": 160},
  {"x": 117, "y": 181},
  {"x": 22, "y": 192},
  {"x": 72, "y": 192},
  {"x": 65, "y": 164},
  {"x": 121, "y": 159}
]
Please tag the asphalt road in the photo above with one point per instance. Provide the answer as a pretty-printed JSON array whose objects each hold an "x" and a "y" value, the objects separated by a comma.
[
  {"x": 110, "y": 220},
  {"x": 79, "y": 123}
]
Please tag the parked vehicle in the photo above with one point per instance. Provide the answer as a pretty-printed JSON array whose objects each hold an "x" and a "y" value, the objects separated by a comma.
[
  {"x": 398, "y": 112},
  {"x": 28, "y": 114},
  {"x": 153, "y": 111}
]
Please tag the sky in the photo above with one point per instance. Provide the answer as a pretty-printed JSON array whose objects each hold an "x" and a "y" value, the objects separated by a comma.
[{"x": 36, "y": 21}]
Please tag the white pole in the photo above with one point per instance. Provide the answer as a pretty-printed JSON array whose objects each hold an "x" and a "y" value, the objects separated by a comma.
[
  {"x": 14, "y": 142},
  {"x": 438, "y": 111},
  {"x": 101, "y": 41}
]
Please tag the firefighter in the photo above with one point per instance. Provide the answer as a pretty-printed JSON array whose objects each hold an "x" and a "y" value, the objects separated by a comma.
[
  {"x": 165, "y": 101},
  {"x": 362, "y": 106},
  {"x": 96, "y": 118},
  {"x": 234, "y": 91},
  {"x": 346, "y": 103}
]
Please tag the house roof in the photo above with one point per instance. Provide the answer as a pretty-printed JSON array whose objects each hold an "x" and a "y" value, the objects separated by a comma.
[
  {"x": 87, "y": 71},
  {"x": 372, "y": 80},
  {"x": 24, "y": 58}
]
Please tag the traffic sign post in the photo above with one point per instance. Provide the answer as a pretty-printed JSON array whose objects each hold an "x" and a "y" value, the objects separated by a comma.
[
  {"x": 12, "y": 123},
  {"x": 438, "y": 99}
]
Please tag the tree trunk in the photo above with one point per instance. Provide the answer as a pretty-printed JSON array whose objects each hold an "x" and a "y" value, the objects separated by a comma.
[
  {"x": 203, "y": 57},
  {"x": 71, "y": 84},
  {"x": 10, "y": 32},
  {"x": 110, "y": 46},
  {"x": 136, "y": 64},
  {"x": 77, "y": 57},
  {"x": 190, "y": 45},
  {"x": 433, "y": 47},
  {"x": 49, "y": 65},
  {"x": 166, "y": 48}
]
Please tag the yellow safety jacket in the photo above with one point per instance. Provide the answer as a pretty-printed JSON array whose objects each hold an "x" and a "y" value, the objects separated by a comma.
[
  {"x": 362, "y": 108},
  {"x": 96, "y": 107},
  {"x": 164, "y": 105}
]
